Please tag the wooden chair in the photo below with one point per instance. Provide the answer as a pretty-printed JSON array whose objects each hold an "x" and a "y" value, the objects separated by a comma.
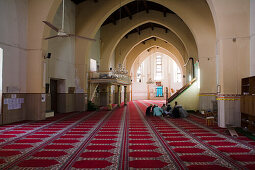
[{"x": 209, "y": 118}]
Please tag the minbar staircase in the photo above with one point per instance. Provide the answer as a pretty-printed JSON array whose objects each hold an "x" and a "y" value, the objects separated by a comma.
[{"x": 180, "y": 91}]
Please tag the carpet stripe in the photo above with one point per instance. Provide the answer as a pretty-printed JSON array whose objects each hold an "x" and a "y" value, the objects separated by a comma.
[
  {"x": 123, "y": 160},
  {"x": 177, "y": 160},
  {"x": 72, "y": 160},
  {"x": 212, "y": 149},
  {"x": 36, "y": 130},
  {"x": 35, "y": 149}
]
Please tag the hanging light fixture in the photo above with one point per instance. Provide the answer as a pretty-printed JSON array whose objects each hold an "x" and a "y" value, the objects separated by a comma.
[
  {"x": 150, "y": 81},
  {"x": 121, "y": 70}
]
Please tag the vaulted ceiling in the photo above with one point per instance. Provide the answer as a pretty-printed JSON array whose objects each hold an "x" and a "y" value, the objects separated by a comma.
[
  {"x": 131, "y": 9},
  {"x": 134, "y": 7}
]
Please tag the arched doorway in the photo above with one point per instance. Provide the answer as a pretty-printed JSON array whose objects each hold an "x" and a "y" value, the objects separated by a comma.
[{"x": 152, "y": 74}]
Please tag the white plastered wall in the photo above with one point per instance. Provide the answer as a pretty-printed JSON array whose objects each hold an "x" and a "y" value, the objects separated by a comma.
[
  {"x": 13, "y": 41},
  {"x": 232, "y": 23},
  {"x": 95, "y": 52},
  {"x": 61, "y": 65},
  {"x": 252, "y": 34}
]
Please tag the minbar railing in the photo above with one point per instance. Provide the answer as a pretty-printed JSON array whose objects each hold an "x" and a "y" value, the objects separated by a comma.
[
  {"x": 110, "y": 76},
  {"x": 180, "y": 91}
]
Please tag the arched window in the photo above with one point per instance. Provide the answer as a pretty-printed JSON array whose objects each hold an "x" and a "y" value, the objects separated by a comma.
[
  {"x": 177, "y": 73},
  {"x": 139, "y": 72}
]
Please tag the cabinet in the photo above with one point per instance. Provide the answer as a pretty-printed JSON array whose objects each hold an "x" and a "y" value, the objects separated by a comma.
[{"x": 248, "y": 103}]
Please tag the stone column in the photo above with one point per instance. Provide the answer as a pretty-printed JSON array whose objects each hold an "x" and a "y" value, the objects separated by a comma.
[
  {"x": 166, "y": 95},
  {"x": 118, "y": 95},
  {"x": 125, "y": 95},
  {"x": 148, "y": 87},
  {"x": 109, "y": 93}
]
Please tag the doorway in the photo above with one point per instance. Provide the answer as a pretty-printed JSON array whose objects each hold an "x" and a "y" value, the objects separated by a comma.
[
  {"x": 53, "y": 93},
  {"x": 1, "y": 87}
]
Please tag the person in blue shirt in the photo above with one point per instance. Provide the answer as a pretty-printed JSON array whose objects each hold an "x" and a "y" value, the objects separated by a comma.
[{"x": 157, "y": 111}]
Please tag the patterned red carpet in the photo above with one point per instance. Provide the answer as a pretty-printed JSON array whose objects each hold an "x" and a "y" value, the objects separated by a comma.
[{"x": 122, "y": 139}]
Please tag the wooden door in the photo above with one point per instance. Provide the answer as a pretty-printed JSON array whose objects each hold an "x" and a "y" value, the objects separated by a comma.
[{"x": 53, "y": 92}]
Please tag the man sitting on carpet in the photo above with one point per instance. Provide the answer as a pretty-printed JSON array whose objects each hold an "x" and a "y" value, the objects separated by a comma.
[
  {"x": 157, "y": 111},
  {"x": 169, "y": 110},
  {"x": 149, "y": 110},
  {"x": 176, "y": 113},
  {"x": 164, "y": 109}
]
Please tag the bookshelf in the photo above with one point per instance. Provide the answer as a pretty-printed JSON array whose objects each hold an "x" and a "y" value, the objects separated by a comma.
[{"x": 248, "y": 103}]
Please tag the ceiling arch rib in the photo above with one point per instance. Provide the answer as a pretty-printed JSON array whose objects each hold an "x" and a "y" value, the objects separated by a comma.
[
  {"x": 126, "y": 45},
  {"x": 150, "y": 25},
  {"x": 111, "y": 34}
]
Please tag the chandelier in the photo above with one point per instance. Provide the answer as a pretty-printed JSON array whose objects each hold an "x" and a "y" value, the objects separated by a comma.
[{"x": 120, "y": 71}]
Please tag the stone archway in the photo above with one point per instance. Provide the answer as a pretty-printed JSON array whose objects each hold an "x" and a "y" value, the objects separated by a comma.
[
  {"x": 126, "y": 45},
  {"x": 111, "y": 35},
  {"x": 132, "y": 55},
  {"x": 144, "y": 54}
]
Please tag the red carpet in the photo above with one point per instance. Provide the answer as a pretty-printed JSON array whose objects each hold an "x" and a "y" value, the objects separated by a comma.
[
  {"x": 197, "y": 158},
  {"x": 92, "y": 164},
  {"x": 233, "y": 149},
  {"x": 122, "y": 139},
  {"x": 182, "y": 144},
  {"x": 28, "y": 141},
  {"x": 59, "y": 147},
  {"x": 38, "y": 163},
  {"x": 49, "y": 154},
  {"x": 207, "y": 167},
  {"x": 222, "y": 143},
  {"x": 7, "y": 136},
  {"x": 246, "y": 158},
  {"x": 100, "y": 147},
  {"x": 147, "y": 164},
  {"x": 143, "y": 147},
  {"x": 14, "y": 132},
  {"x": 212, "y": 138},
  {"x": 38, "y": 136},
  {"x": 144, "y": 154},
  {"x": 65, "y": 141},
  {"x": 96, "y": 154},
  {"x": 9, "y": 153},
  {"x": 14, "y": 146},
  {"x": 189, "y": 150},
  {"x": 141, "y": 141},
  {"x": 2, "y": 161}
]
